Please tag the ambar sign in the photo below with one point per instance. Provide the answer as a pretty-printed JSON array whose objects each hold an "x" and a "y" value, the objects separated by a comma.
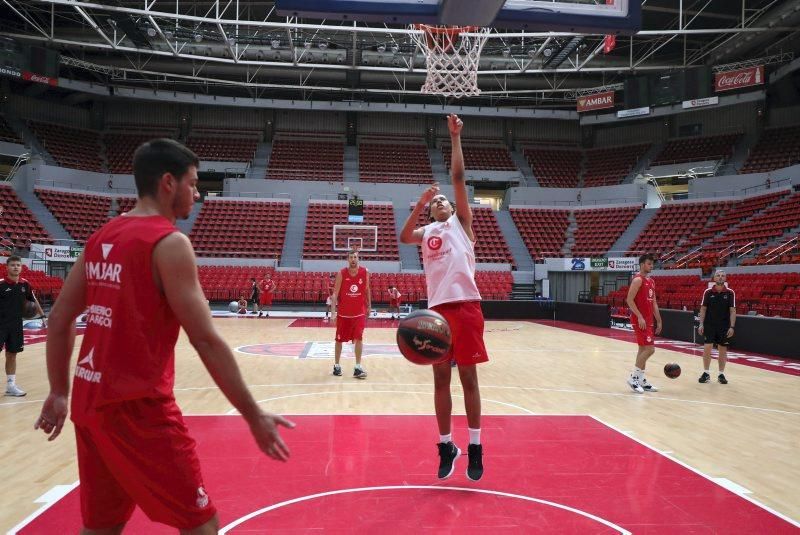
[{"x": 598, "y": 101}]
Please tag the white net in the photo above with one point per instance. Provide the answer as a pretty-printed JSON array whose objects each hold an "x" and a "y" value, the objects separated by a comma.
[
  {"x": 453, "y": 56},
  {"x": 355, "y": 238}
]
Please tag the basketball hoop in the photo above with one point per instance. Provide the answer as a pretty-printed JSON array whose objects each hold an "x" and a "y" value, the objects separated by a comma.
[{"x": 452, "y": 56}]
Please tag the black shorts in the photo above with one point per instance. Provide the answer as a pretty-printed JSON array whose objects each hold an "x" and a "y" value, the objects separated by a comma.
[
  {"x": 254, "y": 298},
  {"x": 11, "y": 338},
  {"x": 716, "y": 334}
]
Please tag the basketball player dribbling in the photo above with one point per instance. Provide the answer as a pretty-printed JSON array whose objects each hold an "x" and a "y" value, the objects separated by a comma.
[
  {"x": 138, "y": 278},
  {"x": 350, "y": 304},
  {"x": 644, "y": 308},
  {"x": 448, "y": 250}
]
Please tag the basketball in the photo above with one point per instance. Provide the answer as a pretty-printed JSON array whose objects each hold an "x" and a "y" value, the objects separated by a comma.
[
  {"x": 424, "y": 337},
  {"x": 672, "y": 370},
  {"x": 29, "y": 310},
  {"x": 233, "y": 306}
]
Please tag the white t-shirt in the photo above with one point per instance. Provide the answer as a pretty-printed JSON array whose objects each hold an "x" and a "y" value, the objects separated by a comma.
[{"x": 448, "y": 256}]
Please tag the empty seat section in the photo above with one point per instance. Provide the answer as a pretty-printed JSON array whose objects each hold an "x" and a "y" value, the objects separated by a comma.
[
  {"x": 223, "y": 146},
  {"x": 323, "y": 216},
  {"x": 81, "y": 214},
  {"x": 695, "y": 149},
  {"x": 777, "y": 148},
  {"x": 7, "y": 133},
  {"x": 609, "y": 166},
  {"x": 556, "y": 168},
  {"x": 18, "y": 226},
  {"x": 294, "y": 159},
  {"x": 71, "y": 147},
  {"x": 482, "y": 157},
  {"x": 598, "y": 229},
  {"x": 44, "y": 286},
  {"x": 240, "y": 229},
  {"x": 397, "y": 162},
  {"x": 125, "y": 204},
  {"x": 544, "y": 231},
  {"x": 121, "y": 144}
]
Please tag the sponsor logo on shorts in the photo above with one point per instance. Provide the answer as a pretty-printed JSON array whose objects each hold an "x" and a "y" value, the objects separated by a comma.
[
  {"x": 85, "y": 369},
  {"x": 202, "y": 498},
  {"x": 434, "y": 243}
]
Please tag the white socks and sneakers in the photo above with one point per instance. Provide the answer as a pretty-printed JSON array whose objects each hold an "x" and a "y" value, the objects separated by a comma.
[{"x": 11, "y": 387}]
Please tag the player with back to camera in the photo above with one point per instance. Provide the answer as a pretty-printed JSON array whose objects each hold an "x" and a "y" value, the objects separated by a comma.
[
  {"x": 641, "y": 300},
  {"x": 138, "y": 278},
  {"x": 350, "y": 303},
  {"x": 717, "y": 320},
  {"x": 448, "y": 251},
  {"x": 14, "y": 292}
]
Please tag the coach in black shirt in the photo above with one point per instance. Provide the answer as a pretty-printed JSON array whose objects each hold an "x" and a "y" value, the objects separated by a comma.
[
  {"x": 717, "y": 321},
  {"x": 14, "y": 291}
]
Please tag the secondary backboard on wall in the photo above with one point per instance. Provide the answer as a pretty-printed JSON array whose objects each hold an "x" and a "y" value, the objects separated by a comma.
[{"x": 581, "y": 16}]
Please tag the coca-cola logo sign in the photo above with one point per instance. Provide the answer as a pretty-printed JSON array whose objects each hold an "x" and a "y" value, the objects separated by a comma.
[{"x": 726, "y": 81}]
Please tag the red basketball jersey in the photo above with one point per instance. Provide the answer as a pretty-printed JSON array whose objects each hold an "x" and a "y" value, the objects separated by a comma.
[
  {"x": 352, "y": 300},
  {"x": 128, "y": 348},
  {"x": 267, "y": 285},
  {"x": 645, "y": 297}
]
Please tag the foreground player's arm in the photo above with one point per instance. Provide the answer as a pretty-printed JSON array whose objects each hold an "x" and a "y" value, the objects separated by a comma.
[
  {"x": 60, "y": 342},
  {"x": 463, "y": 210},
  {"x": 632, "y": 291},
  {"x": 174, "y": 263},
  {"x": 410, "y": 234},
  {"x": 335, "y": 295},
  {"x": 657, "y": 316},
  {"x": 703, "y": 311},
  {"x": 733, "y": 315}
]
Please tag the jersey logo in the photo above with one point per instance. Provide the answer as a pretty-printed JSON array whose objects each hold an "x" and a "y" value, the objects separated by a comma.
[
  {"x": 102, "y": 271},
  {"x": 434, "y": 243},
  {"x": 106, "y": 249},
  {"x": 88, "y": 374},
  {"x": 650, "y": 293},
  {"x": 202, "y": 497},
  {"x": 353, "y": 288}
]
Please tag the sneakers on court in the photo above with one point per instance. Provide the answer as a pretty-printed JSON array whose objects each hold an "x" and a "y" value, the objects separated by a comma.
[
  {"x": 358, "y": 373},
  {"x": 647, "y": 386},
  {"x": 14, "y": 391},
  {"x": 721, "y": 378},
  {"x": 448, "y": 453},
  {"x": 475, "y": 466},
  {"x": 635, "y": 386},
  {"x": 704, "y": 378},
  {"x": 337, "y": 370}
]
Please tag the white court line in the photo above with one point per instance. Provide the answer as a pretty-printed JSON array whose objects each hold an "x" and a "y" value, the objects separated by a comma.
[
  {"x": 234, "y": 411},
  {"x": 259, "y": 512},
  {"x": 50, "y": 498},
  {"x": 701, "y": 474}
]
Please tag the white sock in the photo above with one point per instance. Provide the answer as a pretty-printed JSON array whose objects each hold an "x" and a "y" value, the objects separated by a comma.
[
  {"x": 12, "y": 379},
  {"x": 708, "y": 371},
  {"x": 474, "y": 435},
  {"x": 638, "y": 373},
  {"x": 446, "y": 438}
]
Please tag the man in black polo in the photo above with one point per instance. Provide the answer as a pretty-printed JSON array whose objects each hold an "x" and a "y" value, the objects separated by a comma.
[
  {"x": 717, "y": 320},
  {"x": 14, "y": 291}
]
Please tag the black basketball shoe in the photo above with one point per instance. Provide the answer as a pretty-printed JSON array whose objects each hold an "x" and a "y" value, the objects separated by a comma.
[
  {"x": 475, "y": 466},
  {"x": 448, "y": 453},
  {"x": 721, "y": 378},
  {"x": 337, "y": 370},
  {"x": 704, "y": 378}
]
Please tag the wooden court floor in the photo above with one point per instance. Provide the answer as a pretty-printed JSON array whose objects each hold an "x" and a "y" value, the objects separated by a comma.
[{"x": 747, "y": 431}]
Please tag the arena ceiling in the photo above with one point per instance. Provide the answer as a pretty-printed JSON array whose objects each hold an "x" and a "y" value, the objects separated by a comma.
[{"x": 244, "y": 48}]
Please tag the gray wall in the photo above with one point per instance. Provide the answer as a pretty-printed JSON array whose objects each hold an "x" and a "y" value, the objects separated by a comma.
[
  {"x": 624, "y": 193},
  {"x": 731, "y": 185}
]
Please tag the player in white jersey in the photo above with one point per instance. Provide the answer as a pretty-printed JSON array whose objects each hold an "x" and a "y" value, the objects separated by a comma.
[{"x": 448, "y": 250}]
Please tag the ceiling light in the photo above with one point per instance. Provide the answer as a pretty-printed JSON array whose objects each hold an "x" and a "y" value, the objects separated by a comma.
[
  {"x": 395, "y": 48},
  {"x": 323, "y": 45},
  {"x": 198, "y": 37},
  {"x": 307, "y": 44},
  {"x": 151, "y": 32},
  {"x": 381, "y": 48},
  {"x": 506, "y": 52},
  {"x": 168, "y": 34},
  {"x": 276, "y": 43}
]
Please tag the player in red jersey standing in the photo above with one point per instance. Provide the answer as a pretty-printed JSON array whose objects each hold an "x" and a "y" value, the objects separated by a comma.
[
  {"x": 138, "y": 279},
  {"x": 350, "y": 304},
  {"x": 394, "y": 301},
  {"x": 267, "y": 288},
  {"x": 644, "y": 309}
]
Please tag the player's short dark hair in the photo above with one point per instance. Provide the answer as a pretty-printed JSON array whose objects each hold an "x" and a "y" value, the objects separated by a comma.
[
  {"x": 13, "y": 258},
  {"x": 645, "y": 257},
  {"x": 156, "y": 157}
]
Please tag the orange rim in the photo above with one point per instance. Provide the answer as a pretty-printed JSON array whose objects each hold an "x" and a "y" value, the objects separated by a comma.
[{"x": 445, "y": 30}]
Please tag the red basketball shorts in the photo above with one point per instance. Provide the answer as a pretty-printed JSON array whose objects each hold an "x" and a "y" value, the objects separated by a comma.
[
  {"x": 394, "y": 303},
  {"x": 140, "y": 453},
  {"x": 644, "y": 337},
  {"x": 265, "y": 298},
  {"x": 466, "y": 327},
  {"x": 350, "y": 329}
]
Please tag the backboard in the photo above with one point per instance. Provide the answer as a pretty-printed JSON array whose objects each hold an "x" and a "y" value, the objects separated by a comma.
[{"x": 579, "y": 16}]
